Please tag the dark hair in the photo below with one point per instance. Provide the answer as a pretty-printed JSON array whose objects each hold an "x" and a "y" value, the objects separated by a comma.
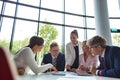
[
  {"x": 53, "y": 44},
  {"x": 75, "y": 32},
  {"x": 35, "y": 40},
  {"x": 97, "y": 40}
]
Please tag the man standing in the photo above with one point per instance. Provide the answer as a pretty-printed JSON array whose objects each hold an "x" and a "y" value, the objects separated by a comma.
[
  {"x": 55, "y": 57},
  {"x": 109, "y": 57}
]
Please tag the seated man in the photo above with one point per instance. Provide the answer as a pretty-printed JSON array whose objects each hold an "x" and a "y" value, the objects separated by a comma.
[
  {"x": 109, "y": 57},
  {"x": 55, "y": 57}
]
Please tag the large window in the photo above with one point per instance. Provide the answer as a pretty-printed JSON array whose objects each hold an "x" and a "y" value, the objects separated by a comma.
[
  {"x": 49, "y": 16},
  {"x": 74, "y": 20},
  {"x": 73, "y": 6},
  {"x": 114, "y": 14},
  {"x": 10, "y": 9},
  {"x": 27, "y": 12},
  {"x": 53, "y": 4},
  {"x": 21, "y": 20},
  {"x": 113, "y": 8},
  {"x": 6, "y": 31}
]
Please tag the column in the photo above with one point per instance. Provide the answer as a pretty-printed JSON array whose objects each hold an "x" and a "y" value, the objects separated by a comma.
[
  {"x": 119, "y": 3},
  {"x": 102, "y": 20}
]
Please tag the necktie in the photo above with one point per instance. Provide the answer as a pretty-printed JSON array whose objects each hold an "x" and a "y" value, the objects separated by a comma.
[
  {"x": 102, "y": 62},
  {"x": 54, "y": 61}
]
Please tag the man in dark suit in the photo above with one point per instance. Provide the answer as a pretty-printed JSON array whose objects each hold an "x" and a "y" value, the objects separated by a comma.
[
  {"x": 109, "y": 57},
  {"x": 55, "y": 57}
]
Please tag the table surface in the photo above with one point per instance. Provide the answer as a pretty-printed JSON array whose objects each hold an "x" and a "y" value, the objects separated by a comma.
[{"x": 61, "y": 76}]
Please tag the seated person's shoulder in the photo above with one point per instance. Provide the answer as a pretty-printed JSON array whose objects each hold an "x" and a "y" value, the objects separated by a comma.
[
  {"x": 25, "y": 49},
  {"x": 47, "y": 54},
  {"x": 68, "y": 44},
  {"x": 81, "y": 55},
  {"x": 24, "y": 52},
  {"x": 61, "y": 53}
]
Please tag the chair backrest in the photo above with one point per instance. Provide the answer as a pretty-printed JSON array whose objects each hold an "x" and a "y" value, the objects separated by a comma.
[{"x": 7, "y": 67}]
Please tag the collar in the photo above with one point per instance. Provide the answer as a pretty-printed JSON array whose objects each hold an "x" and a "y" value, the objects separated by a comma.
[
  {"x": 103, "y": 53},
  {"x": 75, "y": 44},
  {"x": 54, "y": 57}
]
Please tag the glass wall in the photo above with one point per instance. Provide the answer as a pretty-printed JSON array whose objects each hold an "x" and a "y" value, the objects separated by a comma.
[
  {"x": 114, "y": 14},
  {"x": 21, "y": 19}
]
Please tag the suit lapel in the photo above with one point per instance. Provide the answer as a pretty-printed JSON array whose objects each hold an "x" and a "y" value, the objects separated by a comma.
[
  {"x": 107, "y": 56},
  {"x": 50, "y": 58}
]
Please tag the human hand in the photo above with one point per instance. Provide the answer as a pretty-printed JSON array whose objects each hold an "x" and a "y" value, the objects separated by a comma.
[
  {"x": 93, "y": 70},
  {"x": 21, "y": 71},
  {"x": 68, "y": 66},
  {"x": 82, "y": 67},
  {"x": 53, "y": 68},
  {"x": 73, "y": 70}
]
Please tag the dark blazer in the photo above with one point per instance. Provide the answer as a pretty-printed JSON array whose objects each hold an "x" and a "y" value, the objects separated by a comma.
[
  {"x": 60, "y": 65},
  {"x": 112, "y": 61}
]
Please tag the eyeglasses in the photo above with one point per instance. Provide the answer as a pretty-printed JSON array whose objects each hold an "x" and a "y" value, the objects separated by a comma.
[
  {"x": 56, "y": 50},
  {"x": 93, "y": 47}
]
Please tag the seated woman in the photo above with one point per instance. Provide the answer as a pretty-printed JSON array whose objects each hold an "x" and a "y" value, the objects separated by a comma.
[
  {"x": 25, "y": 57},
  {"x": 86, "y": 60}
]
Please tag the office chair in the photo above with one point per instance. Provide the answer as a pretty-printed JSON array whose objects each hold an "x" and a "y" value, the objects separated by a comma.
[{"x": 7, "y": 67}]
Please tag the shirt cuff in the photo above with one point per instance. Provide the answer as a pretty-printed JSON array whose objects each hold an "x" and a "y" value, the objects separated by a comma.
[{"x": 96, "y": 72}]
